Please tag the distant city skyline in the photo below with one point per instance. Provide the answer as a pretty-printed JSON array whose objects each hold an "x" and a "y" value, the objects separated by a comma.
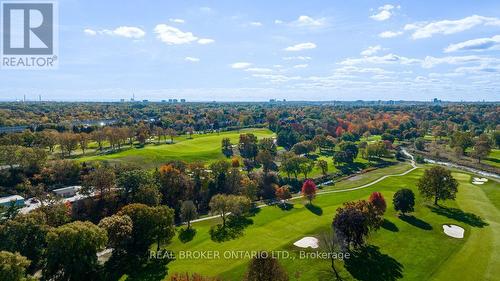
[{"x": 262, "y": 50}]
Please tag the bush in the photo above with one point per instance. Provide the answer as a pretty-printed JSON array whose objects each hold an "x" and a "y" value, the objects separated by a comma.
[{"x": 419, "y": 159}]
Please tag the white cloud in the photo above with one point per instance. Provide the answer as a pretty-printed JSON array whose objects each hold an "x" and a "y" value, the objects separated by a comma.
[
  {"x": 240, "y": 65},
  {"x": 389, "y": 34},
  {"x": 90, "y": 32},
  {"x": 300, "y": 47},
  {"x": 256, "y": 23},
  {"x": 122, "y": 31},
  {"x": 372, "y": 50},
  {"x": 387, "y": 59},
  {"x": 430, "y": 61},
  {"x": 276, "y": 78},
  {"x": 259, "y": 70},
  {"x": 174, "y": 36},
  {"x": 385, "y": 13},
  {"x": 307, "y": 21},
  {"x": 304, "y": 65},
  {"x": 177, "y": 20},
  {"x": 129, "y": 32},
  {"x": 205, "y": 41},
  {"x": 426, "y": 30},
  {"x": 478, "y": 44},
  {"x": 278, "y": 21},
  {"x": 191, "y": 59},
  {"x": 297, "y": 58}
]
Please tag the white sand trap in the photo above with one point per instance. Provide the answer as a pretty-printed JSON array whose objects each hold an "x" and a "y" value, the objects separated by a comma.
[
  {"x": 481, "y": 179},
  {"x": 478, "y": 182},
  {"x": 454, "y": 231},
  {"x": 307, "y": 242}
]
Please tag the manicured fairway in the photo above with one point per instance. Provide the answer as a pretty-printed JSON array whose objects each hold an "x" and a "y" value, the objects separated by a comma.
[
  {"x": 410, "y": 250},
  {"x": 200, "y": 148}
]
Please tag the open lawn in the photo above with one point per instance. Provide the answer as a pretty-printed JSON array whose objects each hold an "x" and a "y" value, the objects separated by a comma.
[
  {"x": 493, "y": 159},
  {"x": 411, "y": 249},
  {"x": 204, "y": 148}
]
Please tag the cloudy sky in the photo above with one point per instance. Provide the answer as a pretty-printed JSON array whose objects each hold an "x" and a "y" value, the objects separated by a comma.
[{"x": 256, "y": 50}]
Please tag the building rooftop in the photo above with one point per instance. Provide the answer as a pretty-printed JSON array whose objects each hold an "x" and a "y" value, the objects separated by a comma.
[{"x": 10, "y": 199}]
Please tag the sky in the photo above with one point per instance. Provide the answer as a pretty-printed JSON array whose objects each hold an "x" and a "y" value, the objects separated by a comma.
[{"x": 257, "y": 50}]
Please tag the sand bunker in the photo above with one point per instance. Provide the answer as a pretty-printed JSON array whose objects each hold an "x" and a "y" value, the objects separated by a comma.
[
  {"x": 454, "y": 231},
  {"x": 479, "y": 180},
  {"x": 307, "y": 242}
]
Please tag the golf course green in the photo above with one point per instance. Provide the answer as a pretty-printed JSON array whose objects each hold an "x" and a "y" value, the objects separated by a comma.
[
  {"x": 411, "y": 249},
  {"x": 205, "y": 148}
]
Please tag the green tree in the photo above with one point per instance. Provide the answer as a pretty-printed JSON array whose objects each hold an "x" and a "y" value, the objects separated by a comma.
[
  {"x": 188, "y": 212},
  {"x": 72, "y": 251},
  {"x": 119, "y": 230},
  {"x": 323, "y": 165},
  {"x": 404, "y": 201},
  {"x": 227, "y": 147},
  {"x": 13, "y": 267},
  {"x": 438, "y": 183},
  {"x": 248, "y": 146},
  {"x": 482, "y": 147},
  {"x": 264, "y": 267}
]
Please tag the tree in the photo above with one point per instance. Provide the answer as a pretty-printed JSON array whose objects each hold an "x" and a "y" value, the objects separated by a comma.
[
  {"x": 265, "y": 158},
  {"x": 378, "y": 202},
  {"x": 309, "y": 190},
  {"x": 100, "y": 180},
  {"x": 72, "y": 251},
  {"x": 461, "y": 141},
  {"x": 131, "y": 181},
  {"x": 172, "y": 134},
  {"x": 148, "y": 194},
  {"x": 304, "y": 147},
  {"x": 13, "y": 267},
  {"x": 496, "y": 138},
  {"x": 248, "y": 146},
  {"x": 188, "y": 212},
  {"x": 264, "y": 267},
  {"x": 68, "y": 142},
  {"x": 404, "y": 201},
  {"x": 482, "y": 147},
  {"x": 332, "y": 245},
  {"x": 83, "y": 140},
  {"x": 347, "y": 153},
  {"x": 350, "y": 225},
  {"x": 224, "y": 204},
  {"x": 420, "y": 144},
  {"x": 438, "y": 183},
  {"x": 227, "y": 147},
  {"x": 306, "y": 165},
  {"x": 325, "y": 143},
  {"x": 119, "y": 230},
  {"x": 283, "y": 193},
  {"x": 269, "y": 145},
  {"x": 323, "y": 165},
  {"x": 26, "y": 235},
  {"x": 150, "y": 225}
]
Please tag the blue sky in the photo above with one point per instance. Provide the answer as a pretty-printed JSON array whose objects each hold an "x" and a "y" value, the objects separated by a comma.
[{"x": 257, "y": 50}]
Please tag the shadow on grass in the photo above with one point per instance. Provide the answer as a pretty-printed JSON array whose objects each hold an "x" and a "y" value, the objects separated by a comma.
[
  {"x": 416, "y": 222},
  {"x": 234, "y": 228},
  {"x": 314, "y": 209},
  {"x": 389, "y": 225},
  {"x": 135, "y": 269},
  {"x": 285, "y": 206},
  {"x": 369, "y": 264},
  {"x": 186, "y": 235},
  {"x": 459, "y": 215}
]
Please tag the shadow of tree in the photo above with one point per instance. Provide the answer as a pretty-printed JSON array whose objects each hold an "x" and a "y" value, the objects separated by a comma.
[
  {"x": 136, "y": 268},
  {"x": 314, "y": 209},
  {"x": 389, "y": 225},
  {"x": 234, "y": 228},
  {"x": 186, "y": 235},
  {"x": 285, "y": 206},
  {"x": 416, "y": 222},
  {"x": 368, "y": 263},
  {"x": 459, "y": 215}
]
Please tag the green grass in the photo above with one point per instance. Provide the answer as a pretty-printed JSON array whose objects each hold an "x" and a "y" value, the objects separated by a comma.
[
  {"x": 493, "y": 159},
  {"x": 203, "y": 148},
  {"x": 420, "y": 254}
]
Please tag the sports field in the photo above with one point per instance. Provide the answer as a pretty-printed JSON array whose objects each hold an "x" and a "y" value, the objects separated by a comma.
[
  {"x": 205, "y": 148},
  {"x": 415, "y": 249}
]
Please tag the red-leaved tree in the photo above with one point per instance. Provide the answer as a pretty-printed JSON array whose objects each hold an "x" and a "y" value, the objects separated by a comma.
[
  {"x": 309, "y": 190},
  {"x": 378, "y": 202}
]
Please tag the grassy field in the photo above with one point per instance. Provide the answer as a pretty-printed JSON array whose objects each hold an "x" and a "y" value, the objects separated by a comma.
[
  {"x": 415, "y": 249},
  {"x": 204, "y": 148},
  {"x": 493, "y": 159}
]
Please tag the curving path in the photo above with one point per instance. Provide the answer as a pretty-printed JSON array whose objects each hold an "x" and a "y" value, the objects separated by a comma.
[{"x": 412, "y": 162}]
